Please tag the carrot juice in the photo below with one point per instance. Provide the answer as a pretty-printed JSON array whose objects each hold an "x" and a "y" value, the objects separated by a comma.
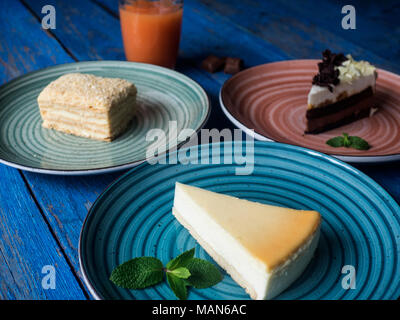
[{"x": 151, "y": 30}]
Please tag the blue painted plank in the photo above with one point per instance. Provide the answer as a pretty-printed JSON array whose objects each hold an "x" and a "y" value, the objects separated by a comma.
[
  {"x": 387, "y": 175},
  {"x": 375, "y": 22},
  {"x": 108, "y": 41},
  {"x": 26, "y": 242},
  {"x": 23, "y": 46},
  {"x": 299, "y": 31},
  {"x": 27, "y": 245},
  {"x": 65, "y": 201}
]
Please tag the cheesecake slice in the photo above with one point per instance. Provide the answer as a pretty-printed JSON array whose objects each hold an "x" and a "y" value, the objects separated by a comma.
[
  {"x": 264, "y": 248},
  {"x": 341, "y": 92},
  {"x": 88, "y": 106}
]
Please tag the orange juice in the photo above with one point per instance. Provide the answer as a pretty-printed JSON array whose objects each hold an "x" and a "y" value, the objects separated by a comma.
[{"x": 151, "y": 30}]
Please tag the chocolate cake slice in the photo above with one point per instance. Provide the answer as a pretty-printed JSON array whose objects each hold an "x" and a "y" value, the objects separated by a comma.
[{"x": 341, "y": 93}]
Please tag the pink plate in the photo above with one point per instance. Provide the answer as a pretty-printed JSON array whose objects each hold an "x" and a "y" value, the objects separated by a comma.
[{"x": 271, "y": 99}]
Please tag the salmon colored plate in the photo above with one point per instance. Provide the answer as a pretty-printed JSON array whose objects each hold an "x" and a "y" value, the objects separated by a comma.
[{"x": 271, "y": 99}]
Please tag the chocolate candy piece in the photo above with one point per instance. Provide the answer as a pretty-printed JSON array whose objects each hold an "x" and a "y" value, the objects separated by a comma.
[
  {"x": 212, "y": 63},
  {"x": 233, "y": 65}
]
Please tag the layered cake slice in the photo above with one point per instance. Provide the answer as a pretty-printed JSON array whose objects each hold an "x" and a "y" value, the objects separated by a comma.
[
  {"x": 88, "y": 106},
  {"x": 341, "y": 92},
  {"x": 264, "y": 248}
]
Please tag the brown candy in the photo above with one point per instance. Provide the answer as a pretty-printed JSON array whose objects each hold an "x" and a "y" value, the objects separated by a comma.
[
  {"x": 212, "y": 63},
  {"x": 233, "y": 65}
]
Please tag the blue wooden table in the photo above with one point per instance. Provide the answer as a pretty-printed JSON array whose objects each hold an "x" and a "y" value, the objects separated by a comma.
[{"x": 41, "y": 215}]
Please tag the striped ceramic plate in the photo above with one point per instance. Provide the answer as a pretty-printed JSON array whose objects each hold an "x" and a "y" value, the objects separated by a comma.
[
  {"x": 360, "y": 228},
  {"x": 165, "y": 98},
  {"x": 271, "y": 99}
]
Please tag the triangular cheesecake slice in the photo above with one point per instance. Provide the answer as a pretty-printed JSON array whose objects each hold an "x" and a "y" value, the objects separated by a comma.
[{"x": 264, "y": 248}]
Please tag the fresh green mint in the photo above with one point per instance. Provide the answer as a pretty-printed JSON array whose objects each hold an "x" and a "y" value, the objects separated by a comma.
[
  {"x": 203, "y": 274},
  {"x": 181, "y": 260},
  {"x": 177, "y": 285},
  {"x": 348, "y": 142},
  {"x": 138, "y": 273},
  {"x": 181, "y": 272}
]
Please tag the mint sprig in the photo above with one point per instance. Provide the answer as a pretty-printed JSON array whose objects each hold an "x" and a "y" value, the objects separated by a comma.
[
  {"x": 203, "y": 274},
  {"x": 178, "y": 286},
  {"x": 138, "y": 273},
  {"x": 181, "y": 260},
  {"x": 181, "y": 272},
  {"x": 348, "y": 142}
]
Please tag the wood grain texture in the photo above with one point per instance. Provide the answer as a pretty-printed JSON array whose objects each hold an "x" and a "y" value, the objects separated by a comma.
[
  {"x": 27, "y": 245},
  {"x": 26, "y": 241},
  {"x": 304, "y": 30},
  {"x": 374, "y": 24},
  {"x": 25, "y": 46}
]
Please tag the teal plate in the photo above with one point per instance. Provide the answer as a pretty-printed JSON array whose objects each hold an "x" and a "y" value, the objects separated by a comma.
[
  {"x": 360, "y": 228},
  {"x": 163, "y": 96}
]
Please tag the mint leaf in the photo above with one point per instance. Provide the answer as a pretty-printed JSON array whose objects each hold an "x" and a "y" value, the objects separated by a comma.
[
  {"x": 203, "y": 274},
  {"x": 138, "y": 273},
  {"x": 177, "y": 285},
  {"x": 349, "y": 142},
  {"x": 346, "y": 140},
  {"x": 181, "y": 260},
  {"x": 359, "y": 143},
  {"x": 181, "y": 272},
  {"x": 336, "y": 142}
]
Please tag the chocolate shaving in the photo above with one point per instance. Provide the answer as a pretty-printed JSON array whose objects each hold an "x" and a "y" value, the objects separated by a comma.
[{"x": 328, "y": 76}]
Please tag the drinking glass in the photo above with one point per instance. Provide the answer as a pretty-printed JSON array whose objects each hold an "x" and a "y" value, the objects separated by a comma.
[{"x": 151, "y": 30}]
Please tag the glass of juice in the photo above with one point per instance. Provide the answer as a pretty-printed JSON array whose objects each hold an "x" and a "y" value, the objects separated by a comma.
[{"x": 151, "y": 30}]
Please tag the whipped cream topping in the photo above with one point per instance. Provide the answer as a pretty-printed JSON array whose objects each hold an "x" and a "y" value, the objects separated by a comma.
[
  {"x": 355, "y": 76},
  {"x": 351, "y": 70}
]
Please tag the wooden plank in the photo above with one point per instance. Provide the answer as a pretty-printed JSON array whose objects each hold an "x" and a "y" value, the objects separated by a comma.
[
  {"x": 26, "y": 242},
  {"x": 65, "y": 201},
  {"x": 105, "y": 40},
  {"x": 27, "y": 245},
  {"x": 299, "y": 30},
  {"x": 25, "y": 47},
  {"x": 374, "y": 22},
  {"x": 387, "y": 175},
  {"x": 69, "y": 193}
]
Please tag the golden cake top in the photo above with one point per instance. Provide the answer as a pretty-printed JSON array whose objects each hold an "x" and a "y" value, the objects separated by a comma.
[
  {"x": 86, "y": 90},
  {"x": 269, "y": 233}
]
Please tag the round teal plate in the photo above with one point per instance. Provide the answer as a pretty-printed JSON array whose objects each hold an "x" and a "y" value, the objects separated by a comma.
[
  {"x": 360, "y": 230},
  {"x": 163, "y": 96}
]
